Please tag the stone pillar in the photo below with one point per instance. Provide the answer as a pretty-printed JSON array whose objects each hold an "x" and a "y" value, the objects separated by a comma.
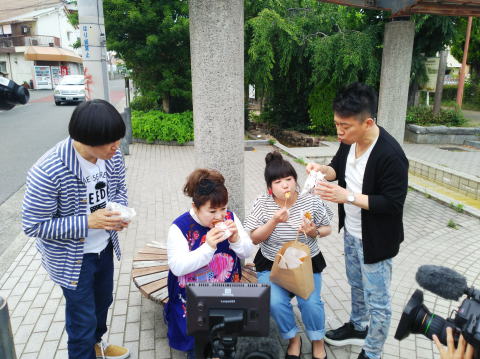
[
  {"x": 216, "y": 47},
  {"x": 395, "y": 77}
]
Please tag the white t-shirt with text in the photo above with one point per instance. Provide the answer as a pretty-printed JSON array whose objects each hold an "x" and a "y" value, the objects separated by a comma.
[{"x": 94, "y": 176}]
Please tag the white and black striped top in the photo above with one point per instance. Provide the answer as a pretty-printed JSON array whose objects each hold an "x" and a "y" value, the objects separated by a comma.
[{"x": 265, "y": 207}]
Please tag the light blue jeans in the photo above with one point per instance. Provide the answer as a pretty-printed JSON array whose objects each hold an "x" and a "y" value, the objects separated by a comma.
[
  {"x": 371, "y": 300},
  {"x": 313, "y": 314}
]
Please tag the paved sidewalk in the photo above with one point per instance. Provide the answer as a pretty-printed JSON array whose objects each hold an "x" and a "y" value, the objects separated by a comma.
[
  {"x": 155, "y": 175},
  {"x": 466, "y": 161}
]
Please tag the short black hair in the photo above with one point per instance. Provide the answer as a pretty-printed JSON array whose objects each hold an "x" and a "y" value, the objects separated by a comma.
[
  {"x": 96, "y": 123},
  {"x": 356, "y": 99},
  {"x": 276, "y": 167}
]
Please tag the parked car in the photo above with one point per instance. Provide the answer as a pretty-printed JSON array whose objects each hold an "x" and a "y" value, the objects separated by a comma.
[{"x": 70, "y": 89}]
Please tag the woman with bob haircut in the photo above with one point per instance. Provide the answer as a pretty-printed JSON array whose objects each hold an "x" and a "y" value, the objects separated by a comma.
[
  {"x": 280, "y": 216},
  {"x": 205, "y": 244},
  {"x": 64, "y": 208}
]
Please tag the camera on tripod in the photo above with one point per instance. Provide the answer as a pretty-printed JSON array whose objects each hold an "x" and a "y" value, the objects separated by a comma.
[
  {"x": 445, "y": 282},
  {"x": 12, "y": 94},
  {"x": 219, "y": 313}
]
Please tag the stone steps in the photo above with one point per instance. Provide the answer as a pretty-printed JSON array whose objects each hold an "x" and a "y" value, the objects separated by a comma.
[{"x": 475, "y": 144}]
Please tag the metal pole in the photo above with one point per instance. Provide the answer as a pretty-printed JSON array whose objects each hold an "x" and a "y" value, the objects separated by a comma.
[
  {"x": 7, "y": 347},
  {"x": 461, "y": 79},
  {"x": 440, "y": 79},
  {"x": 93, "y": 39}
]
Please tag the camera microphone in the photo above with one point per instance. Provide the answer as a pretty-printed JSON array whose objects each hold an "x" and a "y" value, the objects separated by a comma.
[{"x": 442, "y": 281}]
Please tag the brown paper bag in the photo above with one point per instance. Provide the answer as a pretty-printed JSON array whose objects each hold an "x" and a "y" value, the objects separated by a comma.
[{"x": 298, "y": 280}]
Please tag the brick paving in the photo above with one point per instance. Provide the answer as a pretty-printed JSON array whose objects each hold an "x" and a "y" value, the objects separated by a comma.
[{"x": 155, "y": 175}]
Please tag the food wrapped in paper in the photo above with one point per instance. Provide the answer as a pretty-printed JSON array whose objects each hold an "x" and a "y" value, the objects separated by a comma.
[
  {"x": 126, "y": 213},
  {"x": 223, "y": 227},
  {"x": 313, "y": 178},
  {"x": 292, "y": 258}
]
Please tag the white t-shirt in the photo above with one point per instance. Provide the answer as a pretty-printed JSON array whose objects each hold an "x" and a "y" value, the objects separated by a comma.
[
  {"x": 354, "y": 173},
  {"x": 94, "y": 176}
]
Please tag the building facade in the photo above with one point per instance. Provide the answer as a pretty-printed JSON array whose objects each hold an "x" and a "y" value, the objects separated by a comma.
[{"x": 36, "y": 47}]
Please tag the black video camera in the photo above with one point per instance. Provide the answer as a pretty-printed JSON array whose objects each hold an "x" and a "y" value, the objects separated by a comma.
[
  {"x": 12, "y": 94},
  {"x": 445, "y": 282},
  {"x": 218, "y": 314}
]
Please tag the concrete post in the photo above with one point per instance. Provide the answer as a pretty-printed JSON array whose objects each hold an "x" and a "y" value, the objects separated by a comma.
[
  {"x": 395, "y": 77},
  {"x": 7, "y": 347},
  {"x": 216, "y": 46},
  {"x": 93, "y": 40},
  {"x": 442, "y": 66}
]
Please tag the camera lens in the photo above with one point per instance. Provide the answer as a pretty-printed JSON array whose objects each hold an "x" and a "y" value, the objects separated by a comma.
[{"x": 417, "y": 319}]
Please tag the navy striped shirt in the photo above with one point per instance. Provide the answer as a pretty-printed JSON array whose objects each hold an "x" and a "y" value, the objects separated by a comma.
[{"x": 55, "y": 209}]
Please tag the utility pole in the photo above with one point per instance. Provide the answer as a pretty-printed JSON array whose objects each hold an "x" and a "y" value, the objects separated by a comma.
[
  {"x": 461, "y": 79},
  {"x": 93, "y": 40}
]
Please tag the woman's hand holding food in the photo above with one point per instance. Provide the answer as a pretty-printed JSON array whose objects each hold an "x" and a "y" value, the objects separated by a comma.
[
  {"x": 214, "y": 236},
  {"x": 232, "y": 227}
]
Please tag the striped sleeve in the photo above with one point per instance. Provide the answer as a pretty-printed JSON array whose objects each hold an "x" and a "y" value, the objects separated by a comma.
[
  {"x": 40, "y": 207},
  {"x": 121, "y": 194},
  {"x": 322, "y": 213},
  {"x": 256, "y": 219}
]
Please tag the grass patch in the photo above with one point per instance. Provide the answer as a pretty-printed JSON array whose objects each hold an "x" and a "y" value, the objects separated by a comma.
[
  {"x": 300, "y": 161},
  {"x": 456, "y": 207},
  {"x": 451, "y": 224}
]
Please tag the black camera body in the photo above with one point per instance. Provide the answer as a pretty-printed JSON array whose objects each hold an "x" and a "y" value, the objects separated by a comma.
[
  {"x": 417, "y": 319},
  {"x": 12, "y": 94}
]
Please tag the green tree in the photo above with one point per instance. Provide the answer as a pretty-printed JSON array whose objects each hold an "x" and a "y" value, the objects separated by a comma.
[
  {"x": 433, "y": 33},
  {"x": 474, "y": 46},
  {"x": 152, "y": 38},
  {"x": 300, "y": 52}
]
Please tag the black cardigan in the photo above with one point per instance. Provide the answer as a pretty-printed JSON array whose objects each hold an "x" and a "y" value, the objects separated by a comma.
[{"x": 385, "y": 182}]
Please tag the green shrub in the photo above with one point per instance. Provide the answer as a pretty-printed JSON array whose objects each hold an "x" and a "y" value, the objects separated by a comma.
[
  {"x": 471, "y": 94},
  {"x": 157, "y": 125},
  {"x": 145, "y": 103},
  {"x": 320, "y": 110},
  {"x": 423, "y": 116}
]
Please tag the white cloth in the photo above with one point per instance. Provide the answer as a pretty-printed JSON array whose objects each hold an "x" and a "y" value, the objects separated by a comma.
[
  {"x": 93, "y": 173},
  {"x": 354, "y": 172},
  {"x": 182, "y": 261}
]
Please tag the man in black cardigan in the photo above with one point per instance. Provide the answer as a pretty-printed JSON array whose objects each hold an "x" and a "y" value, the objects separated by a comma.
[{"x": 372, "y": 173}]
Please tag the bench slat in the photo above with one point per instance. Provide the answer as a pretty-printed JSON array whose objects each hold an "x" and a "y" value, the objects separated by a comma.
[
  {"x": 149, "y": 278},
  {"x": 152, "y": 250},
  {"x": 160, "y": 296},
  {"x": 145, "y": 264},
  {"x": 148, "y": 270},
  {"x": 150, "y": 257},
  {"x": 149, "y": 288}
]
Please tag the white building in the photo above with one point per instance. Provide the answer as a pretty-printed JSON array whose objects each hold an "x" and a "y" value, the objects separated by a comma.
[{"x": 36, "y": 46}]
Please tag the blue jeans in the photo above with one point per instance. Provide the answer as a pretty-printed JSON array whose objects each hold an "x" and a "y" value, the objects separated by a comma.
[
  {"x": 313, "y": 314},
  {"x": 87, "y": 306},
  {"x": 371, "y": 300}
]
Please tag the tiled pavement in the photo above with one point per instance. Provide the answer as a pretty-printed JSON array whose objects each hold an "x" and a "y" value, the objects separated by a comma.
[
  {"x": 155, "y": 175},
  {"x": 459, "y": 158}
]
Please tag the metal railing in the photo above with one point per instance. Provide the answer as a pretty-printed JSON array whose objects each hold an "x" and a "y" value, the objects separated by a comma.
[{"x": 31, "y": 40}]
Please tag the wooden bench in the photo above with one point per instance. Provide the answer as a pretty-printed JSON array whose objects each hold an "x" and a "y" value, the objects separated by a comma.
[{"x": 150, "y": 272}]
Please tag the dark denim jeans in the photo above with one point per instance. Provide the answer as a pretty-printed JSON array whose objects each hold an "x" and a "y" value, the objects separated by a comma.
[
  {"x": 371, "y": 300},
  {"x": 87, "y": 306}
]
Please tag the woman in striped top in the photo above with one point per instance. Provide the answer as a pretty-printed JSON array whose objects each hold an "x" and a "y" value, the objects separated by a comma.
[{"x": 276, "y": 218}]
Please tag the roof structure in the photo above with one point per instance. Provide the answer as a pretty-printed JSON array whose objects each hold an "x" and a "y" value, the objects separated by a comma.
[
  {"x": 409, "y": 7},
  {"x": 17, "y": 9}
]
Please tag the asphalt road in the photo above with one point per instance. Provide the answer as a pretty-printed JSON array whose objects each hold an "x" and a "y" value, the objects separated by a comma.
[{"x": 26, "y": 132}]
